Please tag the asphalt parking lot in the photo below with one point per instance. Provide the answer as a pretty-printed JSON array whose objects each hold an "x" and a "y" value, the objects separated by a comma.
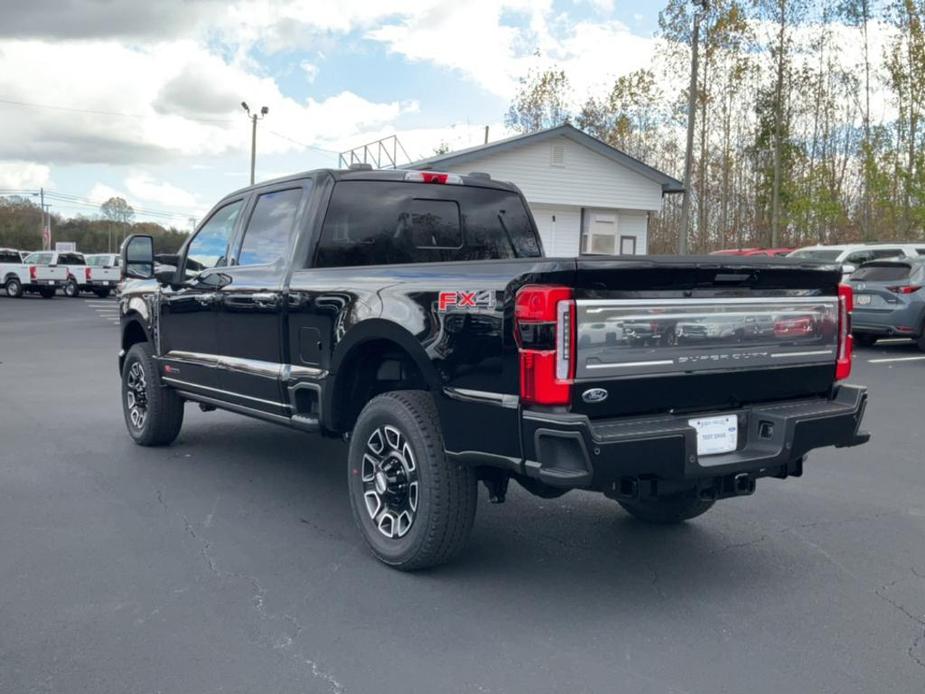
[{"x": 228, "y": 562}]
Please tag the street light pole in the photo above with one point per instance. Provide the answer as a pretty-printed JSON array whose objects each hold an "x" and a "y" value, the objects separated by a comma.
[
  {"x": 254, "y": 118},
  {"x": 691, "y": 116}
]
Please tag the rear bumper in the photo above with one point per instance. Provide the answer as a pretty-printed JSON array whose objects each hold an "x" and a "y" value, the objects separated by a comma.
[
  {"x": 570, "y": 450},
  {"x": 43, "y": 284},
  {"x": 905, "y": 321}
]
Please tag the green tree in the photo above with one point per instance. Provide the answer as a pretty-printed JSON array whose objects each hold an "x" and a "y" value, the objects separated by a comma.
[
  {"x": 541, "y": 102},
  {"x": 118, "y": 212}
]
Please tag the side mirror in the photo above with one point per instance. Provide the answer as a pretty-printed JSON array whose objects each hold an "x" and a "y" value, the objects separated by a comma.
[
  {"x": 137, "y": 257},
  {"x": 848, "y": 268}
]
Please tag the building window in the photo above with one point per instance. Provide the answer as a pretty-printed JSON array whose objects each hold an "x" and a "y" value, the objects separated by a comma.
[{"x": 627, "y": 245}]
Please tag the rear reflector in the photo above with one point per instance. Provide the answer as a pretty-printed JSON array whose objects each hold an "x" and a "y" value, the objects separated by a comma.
[
  {"x": 544, "y": 328},
  {"x": 433, "y": 177},
  {"x": 845, "y": 339}
]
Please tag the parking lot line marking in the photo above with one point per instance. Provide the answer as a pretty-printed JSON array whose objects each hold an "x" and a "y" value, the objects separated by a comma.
[{"x": 892, "y": 359}]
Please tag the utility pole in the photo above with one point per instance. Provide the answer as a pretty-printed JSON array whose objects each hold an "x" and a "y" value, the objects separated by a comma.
[
  {"x": 254, "y": 118},
  {"x": 701, "y": 8}
]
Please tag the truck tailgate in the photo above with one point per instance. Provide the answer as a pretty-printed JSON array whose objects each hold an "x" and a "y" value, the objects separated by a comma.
[
  {"x": 44, "y": 273},
  {"x": 677, "y": 334}
]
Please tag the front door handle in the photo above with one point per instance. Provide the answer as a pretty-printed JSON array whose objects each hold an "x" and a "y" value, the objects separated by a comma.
[
  {"x": 265, "y": 299},
  {"x": 207, "y": 299}
]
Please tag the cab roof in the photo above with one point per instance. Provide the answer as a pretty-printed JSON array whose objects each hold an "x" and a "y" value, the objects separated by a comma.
[{"x": 475, "y": 179}]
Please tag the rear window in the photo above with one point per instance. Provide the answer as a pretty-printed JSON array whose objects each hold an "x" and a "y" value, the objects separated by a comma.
[
  {"x": 813, "y": 254},
  {"x": 38, "y": 259},
  {"x": 882, "y": 273},
  {"x": 10, "y": 257},
  {"x": 384, "y": 223}
]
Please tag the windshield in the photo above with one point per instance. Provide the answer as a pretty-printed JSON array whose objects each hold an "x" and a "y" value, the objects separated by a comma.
[
  {"x": 816, "y": 254},
  {"x": 100, "y": 260}
]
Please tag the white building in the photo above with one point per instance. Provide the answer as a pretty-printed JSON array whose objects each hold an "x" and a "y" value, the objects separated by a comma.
[{"x": 586, "y": 196}]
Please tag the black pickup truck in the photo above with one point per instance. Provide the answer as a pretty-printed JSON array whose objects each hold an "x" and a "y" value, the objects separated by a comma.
[{"x": 413, "y": 313}]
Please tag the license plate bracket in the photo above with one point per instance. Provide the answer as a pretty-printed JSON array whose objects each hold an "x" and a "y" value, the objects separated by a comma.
[{"x": 716, "y": 435}]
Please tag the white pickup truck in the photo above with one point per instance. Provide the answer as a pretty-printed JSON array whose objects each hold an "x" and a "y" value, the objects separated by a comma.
[
  {"x": 19, "y": 277},
  {"x": 81, "y": 277},
  {"x": 105, "y": 273}
]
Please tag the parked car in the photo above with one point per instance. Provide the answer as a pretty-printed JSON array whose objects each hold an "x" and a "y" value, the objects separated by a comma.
[
  {"x": 81, "y": 276},
  {"x": 19, "y": 278},
  {"x": 889, "y": 301},
  {"x": 754, "y": 251},
  {"x": 413, "y": 313},
  {"x": 852, "y": 256}
]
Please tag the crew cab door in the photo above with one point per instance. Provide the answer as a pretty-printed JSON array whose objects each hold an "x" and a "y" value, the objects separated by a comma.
[
  {"x": 187, "y": 322},
  {"x": 251, "y": 301}
]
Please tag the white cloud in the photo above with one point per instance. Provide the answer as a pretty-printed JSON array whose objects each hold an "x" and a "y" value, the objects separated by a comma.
[
  {"x": 159, "y": 192},
  {"x": 310, "y": 70},
  {"x": 180, "y": 100},
  {"x": 22, "y": 175}
]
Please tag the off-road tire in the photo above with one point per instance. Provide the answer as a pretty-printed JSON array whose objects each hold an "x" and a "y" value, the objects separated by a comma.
[
  {"x": 71, "y": 289},
  {"x": 13, "y": 288},
  {"x": 447, "y": 491},
  {"x": 163, "y": 408},
  {"x": 666, "y": 510}
]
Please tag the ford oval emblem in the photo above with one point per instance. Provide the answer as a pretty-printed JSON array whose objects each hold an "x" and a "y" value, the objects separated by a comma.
[{"x": 593, "y": 395}]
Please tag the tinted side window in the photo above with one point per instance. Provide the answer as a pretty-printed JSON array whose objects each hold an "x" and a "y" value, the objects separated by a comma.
[
  {"x": 9, "y": 257},
  {"x": 887, "y": 253},
  {"x": 210, "y": 246},
  {"x": 382, "y": 223},
  {"x": 70, "y": 259},
  {"x": 270, "y": 228}
]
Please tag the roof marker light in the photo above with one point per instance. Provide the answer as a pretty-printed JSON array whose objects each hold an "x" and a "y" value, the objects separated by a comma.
[{"x": 433, "y": 177}]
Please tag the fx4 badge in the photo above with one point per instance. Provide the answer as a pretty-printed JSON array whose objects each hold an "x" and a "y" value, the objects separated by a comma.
[{"x": 466, "y": 300}]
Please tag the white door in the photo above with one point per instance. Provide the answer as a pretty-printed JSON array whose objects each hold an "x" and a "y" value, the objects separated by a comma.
[{"x": 560, "y": 230}]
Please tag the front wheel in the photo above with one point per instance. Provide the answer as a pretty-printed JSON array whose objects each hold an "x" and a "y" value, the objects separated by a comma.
[
  {"x": 414, "y": 507},
  {"x": 666, "y": 510},
  {"x": 13, "y": 288},
  {"x": 153, "y": 413},
  {"x": 71, "y": 289}
]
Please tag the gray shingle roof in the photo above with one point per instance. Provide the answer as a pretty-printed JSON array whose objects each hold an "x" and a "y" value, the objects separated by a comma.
[{"x": 668, "y": 184}]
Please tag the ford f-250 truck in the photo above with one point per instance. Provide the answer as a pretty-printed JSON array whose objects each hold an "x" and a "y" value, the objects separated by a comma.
[
  {"x": 414, "y": 314},
  {"x": 18, "y": 277}
]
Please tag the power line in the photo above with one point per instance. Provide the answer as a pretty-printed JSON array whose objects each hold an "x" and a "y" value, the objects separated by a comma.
[{"x": 301, "y": 144}]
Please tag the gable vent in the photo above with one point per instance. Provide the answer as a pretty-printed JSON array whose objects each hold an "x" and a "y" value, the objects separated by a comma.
[{"x": 557, "y": 156}]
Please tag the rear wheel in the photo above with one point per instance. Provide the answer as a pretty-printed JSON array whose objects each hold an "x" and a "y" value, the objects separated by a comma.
[
  {"x": 13, "y": 288},
  {"x": 153, "y": 413},
  {"x": 864, "y": 340},
  {"x": 414, "y": 507},
  {"x": 666, "y": 510},
  {"x": 71, "y": 289}
]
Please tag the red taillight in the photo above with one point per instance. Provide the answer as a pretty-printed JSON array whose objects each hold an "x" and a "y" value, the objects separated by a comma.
[
  {"x": 845, "y": 340},
  {"x": 911, "y": 289},
  {"x": 544, "y": 328},
  {"x": 87, "y": 274},
  {"x": 432, "y": 177},
  {"x": 32, "y": 273}
]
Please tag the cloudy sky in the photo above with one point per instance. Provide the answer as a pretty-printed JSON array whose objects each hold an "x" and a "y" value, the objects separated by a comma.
[{"x": 142, "y": 99}]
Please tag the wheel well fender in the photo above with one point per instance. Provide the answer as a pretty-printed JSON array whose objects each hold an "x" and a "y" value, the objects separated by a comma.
[
  {"x": 133, "y": 332},
  {"x": 375, "y": 356}
]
